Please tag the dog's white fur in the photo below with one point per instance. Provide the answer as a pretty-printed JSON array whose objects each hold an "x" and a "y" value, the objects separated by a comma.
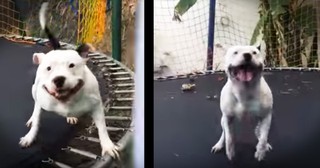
[
  {"x": 42, "y": 16},
  {"x": 86, "y": 101},
  {"x": 234, "y": 103}
]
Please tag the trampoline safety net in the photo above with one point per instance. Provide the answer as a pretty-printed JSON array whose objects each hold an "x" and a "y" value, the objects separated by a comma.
[{"x": 286, "y": 30}]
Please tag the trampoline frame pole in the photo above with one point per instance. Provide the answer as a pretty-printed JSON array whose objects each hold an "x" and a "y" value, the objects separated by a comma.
[
  {"x": 212, "y": 10},
  {"x": 116, "y": 29}
]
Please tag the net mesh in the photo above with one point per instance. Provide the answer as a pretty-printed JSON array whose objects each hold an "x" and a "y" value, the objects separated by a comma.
[
  {"x": 9, "y": 18},
  {"x": 87, "y": 17},
  {"x": 286, "y": 29},
  {"x": 91, "y": 21},
  {"x": 181, "y": 45},
  {"x": 73, "y": 21}
]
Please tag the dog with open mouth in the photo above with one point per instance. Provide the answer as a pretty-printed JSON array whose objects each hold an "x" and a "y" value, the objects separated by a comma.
[
  {"x": 245, "y": 93},
  {"x": 65, "y": 85}
]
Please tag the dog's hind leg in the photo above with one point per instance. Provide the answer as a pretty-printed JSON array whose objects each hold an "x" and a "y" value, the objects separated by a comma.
[
  {"x": 263, "y": 131},
  {"x": 34, "y": 123},
  {"x": 220, "y": 144}
]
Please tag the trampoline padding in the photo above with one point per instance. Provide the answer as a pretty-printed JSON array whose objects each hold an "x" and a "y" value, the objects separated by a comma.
[
  {"x": 187, "y": 125},
  {"x": 18, "y": 72}
]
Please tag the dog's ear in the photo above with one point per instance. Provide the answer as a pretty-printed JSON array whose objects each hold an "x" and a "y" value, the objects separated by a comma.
[
  {"x": 84, "y": 50},
  {"x": 37, "y": 58},
  {"x": 259, "y": 47}
]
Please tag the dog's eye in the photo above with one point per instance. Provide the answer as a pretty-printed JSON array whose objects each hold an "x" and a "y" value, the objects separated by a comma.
[
  {"x": 254, "y": 53},
  {"x": 71, "y": 65},
  {"x": 48, "y": 68},
  {"x": 235, "y": 53}
]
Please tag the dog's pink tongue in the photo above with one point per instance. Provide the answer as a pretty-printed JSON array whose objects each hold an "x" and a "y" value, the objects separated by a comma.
[
  {"x": 244, "y": 76},
  {"x": 53, "y": 92}
]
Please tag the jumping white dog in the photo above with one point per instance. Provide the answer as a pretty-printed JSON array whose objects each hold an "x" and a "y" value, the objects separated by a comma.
[
  {"x": 64, "y": 84},
  {"x": 246, "y": 92}
]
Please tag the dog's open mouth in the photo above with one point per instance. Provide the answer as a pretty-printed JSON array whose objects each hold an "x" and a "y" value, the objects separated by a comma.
[
  {"x": 245, "y": 72},
  {"x": 66, "y": 93}
]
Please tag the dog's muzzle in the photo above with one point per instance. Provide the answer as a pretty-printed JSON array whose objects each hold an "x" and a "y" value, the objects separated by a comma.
[
  {"x": 245, "y": 72},
  {"x": 65, "y": 94}
]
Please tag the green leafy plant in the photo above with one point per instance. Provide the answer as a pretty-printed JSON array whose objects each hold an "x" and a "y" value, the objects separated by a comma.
[
  {"x": 181, "y": 8},
  {"x": 288, "y": 28}
]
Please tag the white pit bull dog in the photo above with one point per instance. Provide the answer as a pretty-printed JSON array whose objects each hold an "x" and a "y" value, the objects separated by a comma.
[
  {"x": 64, "y": 84},
  {"x": 246, "y": 92}
]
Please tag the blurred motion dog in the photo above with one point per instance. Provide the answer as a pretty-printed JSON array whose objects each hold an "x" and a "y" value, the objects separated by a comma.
[
  {"x": 245, "y": 93},
  {"x": 65, "y": 85}
]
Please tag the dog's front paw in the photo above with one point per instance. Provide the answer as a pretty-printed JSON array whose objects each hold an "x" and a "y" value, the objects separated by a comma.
[
  {"x": 72, "y": 120},
  {"x": 261, "y": 151},
  {"x": 29, "y": 122},
  {"x": 269, "y": 147},
  {"x": 111, "y": 149},
  {"x": 260, "y": 154},
  {"x": 217, "y": 147},
  {"x": 26, "y": 141}
]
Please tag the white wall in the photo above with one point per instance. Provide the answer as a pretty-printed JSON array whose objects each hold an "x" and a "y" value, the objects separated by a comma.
[{"x": 186, "y": 42}]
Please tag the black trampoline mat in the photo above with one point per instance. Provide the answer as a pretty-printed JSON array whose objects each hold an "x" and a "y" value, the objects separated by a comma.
[
  {"x": 17, "y": 76},
  {"x": 187, "y": 125}
]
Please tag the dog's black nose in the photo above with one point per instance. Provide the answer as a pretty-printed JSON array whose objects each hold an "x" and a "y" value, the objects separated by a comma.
[
  {"x": 59, "y": 81},
  {"x": 247, "y": 57}
]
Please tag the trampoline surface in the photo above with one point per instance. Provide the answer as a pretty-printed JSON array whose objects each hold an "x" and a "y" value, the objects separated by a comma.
[
  {"x": 18, "y": 73},
  {"x": 187, "y": 125}
]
